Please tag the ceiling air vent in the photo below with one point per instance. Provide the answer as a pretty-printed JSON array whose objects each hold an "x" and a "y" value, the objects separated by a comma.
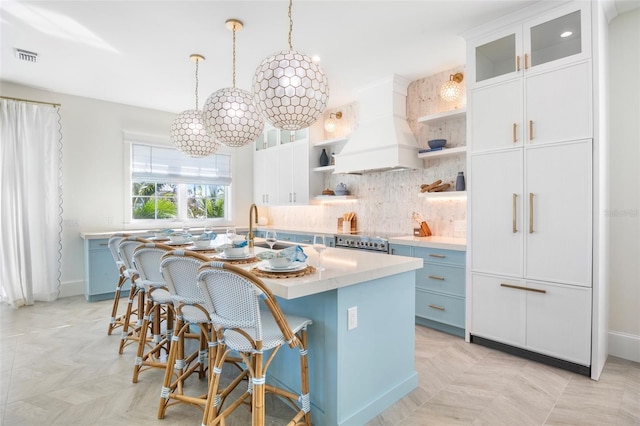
[{"x": 25, "y": 55}]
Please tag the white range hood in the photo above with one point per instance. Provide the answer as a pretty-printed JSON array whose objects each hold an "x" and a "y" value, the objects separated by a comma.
[{"x": 383, "y": 140}]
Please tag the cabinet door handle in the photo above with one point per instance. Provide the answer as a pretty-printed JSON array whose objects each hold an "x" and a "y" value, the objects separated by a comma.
[
  {"x": 517, "y": 63},
  {"x": 515, "y": 133},
  {"x": 517, "y": 287},
  {"x": 530, "y": 130},
  {"x": 440, "y": 308},
  {"x": 531, "y": 212},
  {"x": 435, "y": 277},
  {"x": 306, "y": 241},
  {"x": 104, "y": 244},
  {"x": 515, "y": 198},
  {"x": 439, "y": 256},
  {"x": 526, "y": 61}
]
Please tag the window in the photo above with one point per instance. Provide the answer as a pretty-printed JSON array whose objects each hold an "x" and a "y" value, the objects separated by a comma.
[{"x": 165, "y": 184}]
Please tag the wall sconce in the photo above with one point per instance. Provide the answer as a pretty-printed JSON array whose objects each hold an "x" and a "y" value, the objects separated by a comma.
[
  {"x": 451, "y": 90},
  {"x": 330, "y": 123}
]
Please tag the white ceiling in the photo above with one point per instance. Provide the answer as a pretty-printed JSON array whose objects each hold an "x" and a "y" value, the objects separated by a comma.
[{"x": 137, "y": 52}]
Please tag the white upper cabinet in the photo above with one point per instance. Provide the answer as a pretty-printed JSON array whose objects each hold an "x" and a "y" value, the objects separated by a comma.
[
  {"x": 282, "y": 168},
  {"x": 531, "y": 83},
  {"x": 553, "y": 39}
]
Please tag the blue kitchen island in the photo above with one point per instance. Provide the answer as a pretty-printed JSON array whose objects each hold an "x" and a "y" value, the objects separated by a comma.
[{"x": 355, "y": 373}]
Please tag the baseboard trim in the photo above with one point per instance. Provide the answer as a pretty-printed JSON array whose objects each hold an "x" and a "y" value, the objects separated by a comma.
[
  {"x": 534, "y": 356},
  {"x": 71, "y": 288},
  {"x": 624, "y": 345}
]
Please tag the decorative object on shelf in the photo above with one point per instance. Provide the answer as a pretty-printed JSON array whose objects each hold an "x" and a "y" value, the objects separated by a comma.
[
  {"x": 324, "y": 158},
  {"x": 330, "y": 123},
  {"x": 328, "y": 192},
  {"x": 341, "y": 189},
  {"x": 333, "y": 158},
  {"x": 436, "y": 186},
  {"x": 230, "y": 114},
  {"x": 460, "y": 185},
  {"x": 289, "y": 88},
  {"x": 451, "y": 90},
  {"x": 437, "y": 144},
  {"x": 188, "y": 132}
]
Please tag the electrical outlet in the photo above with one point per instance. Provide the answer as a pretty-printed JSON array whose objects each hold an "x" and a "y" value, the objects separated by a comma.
[{"x": 352, "y": 318}]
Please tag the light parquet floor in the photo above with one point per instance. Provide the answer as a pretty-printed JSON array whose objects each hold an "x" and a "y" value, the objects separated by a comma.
[{"x": 58, "y": 367}]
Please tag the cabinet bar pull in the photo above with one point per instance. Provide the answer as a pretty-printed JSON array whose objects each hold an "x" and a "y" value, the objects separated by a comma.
[
  {"x": 530, "y": 130},
  {"x": 440, "y": 308},
  {"x": 104, "y": 244},
  {"x": 531, "y": 212},
  {"x": 439, "y": 256},
  {"x": 517, "y": 287},
  {"x": 515, "y": 198},
  {"x": 526, "y": 61},
  {"x": 515, "y": 133},
  {"x": 435, "y": 277},
  {"x": 517, "y": 63}
]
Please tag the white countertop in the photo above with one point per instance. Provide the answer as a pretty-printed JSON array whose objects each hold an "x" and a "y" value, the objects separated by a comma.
[
  {"x": 344, "y": 267},
  {"x": 446, "y": 243}
]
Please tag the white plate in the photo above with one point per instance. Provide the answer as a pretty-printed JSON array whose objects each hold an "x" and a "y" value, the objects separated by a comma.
[
  {"x": 194, "y": 248},
  {"x": 224, "y": 256},
  {"x": 158, "y": 239},
  {"x": 295, "y": 266},
  {"x": 186, "y": 243}
]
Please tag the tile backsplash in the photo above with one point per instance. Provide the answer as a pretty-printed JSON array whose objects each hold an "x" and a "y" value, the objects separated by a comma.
[{"x": 386, "y": 200}]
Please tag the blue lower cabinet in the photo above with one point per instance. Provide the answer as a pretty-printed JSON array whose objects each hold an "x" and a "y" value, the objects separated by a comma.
[
  {"x": 100, "y": 271},
  {"x": 440, "y": 287}
]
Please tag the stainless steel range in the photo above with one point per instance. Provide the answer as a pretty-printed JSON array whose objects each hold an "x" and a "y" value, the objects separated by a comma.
[{"x": 363, "y": 242}]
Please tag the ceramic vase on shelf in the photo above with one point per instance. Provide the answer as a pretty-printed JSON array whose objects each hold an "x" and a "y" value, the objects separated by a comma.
[
  {"x": 324, "y": 158},
  {"x": 460, "y": 182}
]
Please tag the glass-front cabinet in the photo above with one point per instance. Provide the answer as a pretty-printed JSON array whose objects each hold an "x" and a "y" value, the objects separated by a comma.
[{"x": 553, "y": 39}]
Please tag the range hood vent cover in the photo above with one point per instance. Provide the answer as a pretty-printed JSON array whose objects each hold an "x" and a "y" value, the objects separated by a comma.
[{"x": 383, "y": 140}]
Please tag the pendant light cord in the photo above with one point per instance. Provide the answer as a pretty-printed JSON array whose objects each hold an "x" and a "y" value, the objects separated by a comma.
[
  {"x": 290, "y": 24},
  {"x": 197, "y": 62},
  {"x": 234, "y": 56}
]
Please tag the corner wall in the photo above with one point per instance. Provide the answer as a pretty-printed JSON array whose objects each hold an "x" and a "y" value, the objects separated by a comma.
[{"x": 624, "y": 213}]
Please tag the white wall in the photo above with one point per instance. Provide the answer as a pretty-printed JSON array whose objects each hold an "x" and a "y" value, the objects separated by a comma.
[
  {"x": 93, "y": 169},
  {"x": 624, "y": 214}
]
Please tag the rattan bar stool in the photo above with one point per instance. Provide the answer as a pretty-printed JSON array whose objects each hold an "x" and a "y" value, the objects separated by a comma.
[
  {"x": 233, "y": 299},
  {"x": 180, "y": 271},
  {"x": 116, "y": 321},
  {"x": 135, "y": 310},
  {"x": 153, "y": 353}
]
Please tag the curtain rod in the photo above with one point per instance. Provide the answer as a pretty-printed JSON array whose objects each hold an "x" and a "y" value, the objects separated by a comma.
[{"x": 29, "y": 100}]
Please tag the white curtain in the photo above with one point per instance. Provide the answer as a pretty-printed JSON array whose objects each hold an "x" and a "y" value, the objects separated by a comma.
[{"x": 30, "y": 202}]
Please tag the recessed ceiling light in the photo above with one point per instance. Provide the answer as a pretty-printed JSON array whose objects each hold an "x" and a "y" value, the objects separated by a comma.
[{"x": 566, "y": 34}]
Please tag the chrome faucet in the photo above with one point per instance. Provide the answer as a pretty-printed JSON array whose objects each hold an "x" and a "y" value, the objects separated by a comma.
[{"x": 252, "y": 219}]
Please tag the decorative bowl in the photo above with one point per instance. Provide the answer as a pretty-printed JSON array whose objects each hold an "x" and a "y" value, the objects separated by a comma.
[
  {"x": 201, "y": 244},
  {"x": 437, "y": 143},
  {"x": 279, "y": 262},
  {"x": 234, "y": 251},
  {"x": 178, "y": 238}
]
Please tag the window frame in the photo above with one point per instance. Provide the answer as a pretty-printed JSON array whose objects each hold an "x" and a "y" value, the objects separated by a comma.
[{"x": 131, "y": 138}]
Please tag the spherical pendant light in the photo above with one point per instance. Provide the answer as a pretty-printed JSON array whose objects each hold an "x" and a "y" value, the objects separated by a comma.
[
  {"x": 290, "y": 89},
  {"x": 230, "y": 114},
  {"x": 188, "y": 133}
]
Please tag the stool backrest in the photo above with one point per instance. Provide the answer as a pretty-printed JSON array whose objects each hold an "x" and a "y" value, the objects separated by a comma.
[
  {"x": 232, "y": 297},
  {"x": 126, "y": 247},
  {"x": 180, "y": 272},
  {"x": 113, "y": 243},
  {"x": 147, "y": 258}
]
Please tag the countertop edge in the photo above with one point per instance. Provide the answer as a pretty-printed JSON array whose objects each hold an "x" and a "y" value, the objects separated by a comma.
[{"x": 445, "y": 243}]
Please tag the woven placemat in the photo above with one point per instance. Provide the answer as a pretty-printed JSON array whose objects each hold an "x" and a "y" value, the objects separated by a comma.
[{"x": 263, "y": 274}]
